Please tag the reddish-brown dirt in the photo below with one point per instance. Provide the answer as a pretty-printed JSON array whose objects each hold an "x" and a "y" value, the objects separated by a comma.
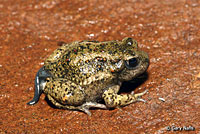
[{"x": 169, "y": 30}]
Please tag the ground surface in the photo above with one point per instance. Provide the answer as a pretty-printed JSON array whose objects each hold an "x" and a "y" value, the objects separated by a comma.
[{"x": 168, "y": 30}]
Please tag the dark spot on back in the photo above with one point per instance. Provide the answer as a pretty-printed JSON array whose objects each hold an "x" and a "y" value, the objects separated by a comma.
[{"x": 88, "y": 45}]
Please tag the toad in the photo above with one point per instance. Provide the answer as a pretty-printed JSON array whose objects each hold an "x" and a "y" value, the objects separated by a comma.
[{"x": 79, "y": 75}]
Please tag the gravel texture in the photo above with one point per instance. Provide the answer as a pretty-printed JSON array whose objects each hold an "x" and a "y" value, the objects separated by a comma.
[{"x": 169, "y": 30}]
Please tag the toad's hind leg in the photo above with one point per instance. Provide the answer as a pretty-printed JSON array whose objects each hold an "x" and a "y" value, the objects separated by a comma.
[
  {"x": 84, "y": 107},
  {"x": 112, "y": 99},
  {"x": 58, "y": 105}
]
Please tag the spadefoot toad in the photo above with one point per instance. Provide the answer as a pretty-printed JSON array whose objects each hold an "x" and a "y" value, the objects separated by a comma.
[{"x": 79, "y": 75}]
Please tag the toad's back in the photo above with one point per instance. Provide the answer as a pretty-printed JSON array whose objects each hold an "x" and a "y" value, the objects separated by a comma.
[{"x": 85, "y": 62}]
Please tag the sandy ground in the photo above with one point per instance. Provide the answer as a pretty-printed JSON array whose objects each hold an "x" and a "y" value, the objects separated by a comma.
[{"x": 168, "y": 30}]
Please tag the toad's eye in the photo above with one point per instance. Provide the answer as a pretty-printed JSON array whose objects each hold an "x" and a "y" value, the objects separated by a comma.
[{"x": 131, "y": 63}]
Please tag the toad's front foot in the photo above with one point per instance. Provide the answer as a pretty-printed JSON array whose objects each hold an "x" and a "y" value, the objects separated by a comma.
[
  {"x": 137, "y": 96},
  {"x": 113, "y": 100}
]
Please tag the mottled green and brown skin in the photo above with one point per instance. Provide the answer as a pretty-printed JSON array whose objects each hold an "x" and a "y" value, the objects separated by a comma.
[{"x": 83, "y": 73}]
